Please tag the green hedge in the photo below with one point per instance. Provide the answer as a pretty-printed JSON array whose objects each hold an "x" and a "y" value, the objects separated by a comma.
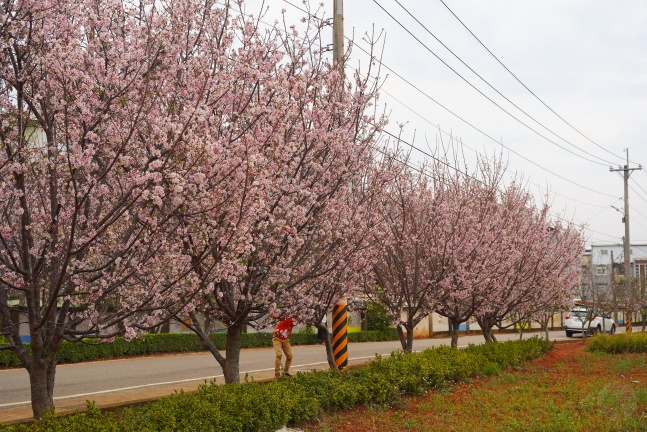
[
  {"x": 92, "y": 349},
  {"x": 618, "y": 344},
  {"x": 252, "y": 407}
]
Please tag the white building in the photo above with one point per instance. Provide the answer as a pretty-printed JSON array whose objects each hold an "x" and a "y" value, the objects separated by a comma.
[
  {"x": 607, "y": 267},
  {"x": 604, "y": 254}
]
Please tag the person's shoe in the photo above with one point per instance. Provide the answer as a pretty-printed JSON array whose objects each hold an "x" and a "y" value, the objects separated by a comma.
[
  {"x": 285, "y": 374},
  {"x": 277, "y": 375}
]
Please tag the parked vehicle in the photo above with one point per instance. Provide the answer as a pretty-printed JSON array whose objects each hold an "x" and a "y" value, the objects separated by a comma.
[{"x": 579, "y": 319}]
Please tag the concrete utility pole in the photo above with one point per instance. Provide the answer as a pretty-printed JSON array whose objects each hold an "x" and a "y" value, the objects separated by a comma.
[
  {"x": 613, "y": 288},
  {"x": 340, "y": 310},
  {"x": 338, "y": 32},
  {"x": 627, "y": 244}
]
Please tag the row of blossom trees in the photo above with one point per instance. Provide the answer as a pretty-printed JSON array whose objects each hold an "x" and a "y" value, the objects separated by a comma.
[
  {"x": 465, "y": 245},
  {"x": 163, "y": 158}
]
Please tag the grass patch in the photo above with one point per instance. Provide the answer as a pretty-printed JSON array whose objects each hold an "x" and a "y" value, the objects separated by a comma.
[{"x": 570, "y": 389}]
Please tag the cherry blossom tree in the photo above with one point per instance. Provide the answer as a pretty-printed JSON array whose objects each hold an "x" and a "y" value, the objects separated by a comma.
[
  {"x": 541, "y": 263},
  {"x": 559, "y": 287},
  {"x": 407, "y": 238},
  {"x": 469, "y": 206},
  {"x": 104, "y": 116},
  {"x": 462, "y": 243},
  {"x": 345, "y": 268},
  {"x": 289, "y": 233}
]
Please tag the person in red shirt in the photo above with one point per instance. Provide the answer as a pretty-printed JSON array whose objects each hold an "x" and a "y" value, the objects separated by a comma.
[{"x": 281, "y": 343}]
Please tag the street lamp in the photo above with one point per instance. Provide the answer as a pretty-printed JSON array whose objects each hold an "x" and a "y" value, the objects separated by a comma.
[{"x": 619, "y": 211}]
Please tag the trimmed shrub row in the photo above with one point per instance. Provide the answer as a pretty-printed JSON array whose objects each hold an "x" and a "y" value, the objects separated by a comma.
[
  {"x": 252, "y": 406},
  {"x": 93, "y": 349},
  {"x": 618, "y": 344}
]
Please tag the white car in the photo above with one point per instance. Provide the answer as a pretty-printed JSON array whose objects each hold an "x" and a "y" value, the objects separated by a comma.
[{"x": 579, "y": 320}]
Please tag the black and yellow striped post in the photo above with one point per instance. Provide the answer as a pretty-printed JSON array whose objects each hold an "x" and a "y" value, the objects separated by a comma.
[
  {"x": 628, "y": 319},
  {"x": 340, "y": 334}
]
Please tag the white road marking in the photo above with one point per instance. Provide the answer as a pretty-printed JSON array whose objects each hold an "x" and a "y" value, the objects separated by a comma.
[{"x": 209, "y": 378}]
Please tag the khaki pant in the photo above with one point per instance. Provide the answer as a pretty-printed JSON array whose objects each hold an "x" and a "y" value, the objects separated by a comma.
[{"x": 280, "y": 347}]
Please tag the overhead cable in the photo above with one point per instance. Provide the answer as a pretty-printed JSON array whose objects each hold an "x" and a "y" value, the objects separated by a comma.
[
  {"x": 524, "y": 85},
  {"x": 603, "y": 163}
]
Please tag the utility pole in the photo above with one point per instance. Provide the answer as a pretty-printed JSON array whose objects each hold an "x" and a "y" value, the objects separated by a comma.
[
  {"x": 627, "y": 244},
  {"x": 613, "y": 288},
  {"x": 340, "y": 310},
  {"x": 338, "y": 33}
]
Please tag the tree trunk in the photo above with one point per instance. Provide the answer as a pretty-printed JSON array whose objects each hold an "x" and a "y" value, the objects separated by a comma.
[
  {"x": 406, "y": 341},
  {"x": 230, "y": 362},
  {"x": 543, "y": 324},
  {"x": 409, "y": 347},
  {"x": 231, "y": 368},
  {"x": 520, "y": 327},
  {"x": 402, "y": 337},
  {"x": 454, "y": 327},
  {"x": 486, "y": 328},
  {"x": 487, "y": 334},
  {"x": 330, "y": 356},
  {"x": 41, "y": 380}
]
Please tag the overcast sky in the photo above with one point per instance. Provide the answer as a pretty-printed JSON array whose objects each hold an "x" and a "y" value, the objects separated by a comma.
[{"x": 585, "y": 59}]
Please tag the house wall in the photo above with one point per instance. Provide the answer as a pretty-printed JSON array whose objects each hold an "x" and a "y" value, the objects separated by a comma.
[{"x": 601, "y": 253}]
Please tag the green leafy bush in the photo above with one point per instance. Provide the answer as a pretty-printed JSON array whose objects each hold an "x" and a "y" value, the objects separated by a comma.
[
  {"x": 618, "y": 344},
  {"x": 8, "y": 359},
  {"x": 511, "y": 353},
  {"x": 377, "y": 318},
  {"x": 374, "y": 335},
  {"x": 252, "y": 406}
]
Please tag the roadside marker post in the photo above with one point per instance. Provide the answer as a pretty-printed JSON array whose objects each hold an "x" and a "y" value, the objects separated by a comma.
[{"x": 340, "y": 334}]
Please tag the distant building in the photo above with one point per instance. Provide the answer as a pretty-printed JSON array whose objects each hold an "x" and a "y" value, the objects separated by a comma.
[
  {"x": 604, "y": 270},
  {"x": 605, "y": 255}
]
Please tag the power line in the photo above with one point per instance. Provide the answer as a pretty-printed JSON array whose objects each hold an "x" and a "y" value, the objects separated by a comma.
[
  {"x": 415, "y": 87},
  {"x": 475, "y": 151},
  {"x": 524, "y": 85},
  {"x": 479, "y": 130},
  {"x": 430, "y": 155},
  {"x": 637, "y": 193},
  {"x": 467, "y": 123},
  {"x": 579, "y": 225},
  {"x": 456, "y": 115},
  {"x": 633, "y": 220},
  {"x": 596, "y": 240},
  {"x": 488, "y": 83},
  {"x": 486, "y": 96},
  {"x": 604, "y": 208},
  {"x": 637, "y": 213}
]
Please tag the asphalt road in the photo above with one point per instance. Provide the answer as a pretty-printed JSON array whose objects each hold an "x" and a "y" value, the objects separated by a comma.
[{"x": 122, "y": 381}]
